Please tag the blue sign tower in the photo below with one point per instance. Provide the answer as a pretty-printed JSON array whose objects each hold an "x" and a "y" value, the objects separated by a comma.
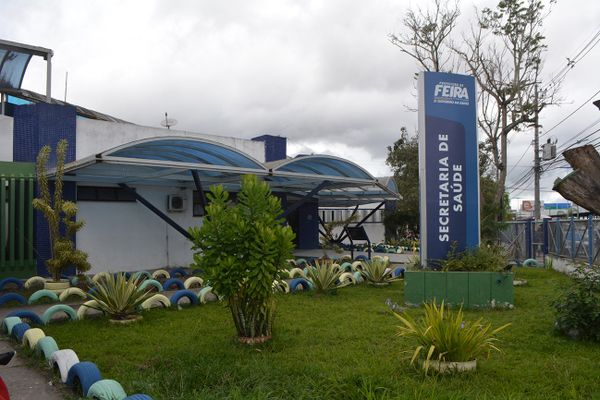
[{"x": 448, "y": 165}]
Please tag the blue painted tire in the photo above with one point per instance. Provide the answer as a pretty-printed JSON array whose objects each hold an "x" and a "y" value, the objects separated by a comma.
[
  {"x": 14, "y": 281},
  {"x": 40, "y": 294},
  {"x": 26, "y": 314},
  {"x": 179, "y": 271},
  {"x": 5, "y": 298},
  {"x": 178, "y": 295},
  {"x": 361, "y": 258},
  {"x": 57, "y": 308},
  {"x": 294, "y": 283},
  {"x": 197, "y": 272},
  {"x": 398, "y": 272},
  {"x": 151, "y": 282},
  {"x": 171, "y": 282},
  {"x": 530, "y": 262},
  {"x": 106, "y": 389},
  {"x": 84, "y": 373},
  {"x": 46, "y": 346},
  {"x": 138, "y": 397},
  {"x": 19, "y": 330}
]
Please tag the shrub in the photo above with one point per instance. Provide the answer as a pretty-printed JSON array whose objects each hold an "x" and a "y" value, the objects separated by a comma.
[
  {"x": 324, "y": 276},
  {"x": 242, "y": 248},
  {"x": 444, "y": 335},
  {"x": 377, "y": 271},
  {"x": 119, "y": 297},
  {"x": 59, "y": 212},
  {"x": 483, "y": 258},
  {"x": 577, "y": 310}
]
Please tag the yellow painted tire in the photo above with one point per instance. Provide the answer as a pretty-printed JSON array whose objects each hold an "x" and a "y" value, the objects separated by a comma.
[
  {"x": 357, "y": 266},
  {"x": 157, "y": 300},
  {"x": 33, "y": 281},
  {"x": 205, "y": 295},
  {"x": 192, "y": 280},
  {"x": 347, "y": 278},
  {"x": 32, "y": 336},
  {"x": 70, "y": 292},
  {"x": 161, "y": 273},
  {"x": 85, "y": 307}
]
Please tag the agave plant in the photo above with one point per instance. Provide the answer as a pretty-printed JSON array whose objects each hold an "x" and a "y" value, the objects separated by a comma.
[
  {"x": 118, "y": 296},
  {"x": 324, "y": 276},
  {"x": 444, "y": 335},
  {"x": 377, "y": 272}
]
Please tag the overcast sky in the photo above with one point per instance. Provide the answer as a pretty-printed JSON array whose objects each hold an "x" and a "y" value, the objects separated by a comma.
[{"x": 321, "y": 73}]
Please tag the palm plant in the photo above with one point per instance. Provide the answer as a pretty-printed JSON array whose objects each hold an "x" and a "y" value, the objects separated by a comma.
[
  {"x": 443, "y": 335},
  {"x": 377, "y": 272},
  {"x": 118, "y": 296},
  {"x": 324, "y": 276}
]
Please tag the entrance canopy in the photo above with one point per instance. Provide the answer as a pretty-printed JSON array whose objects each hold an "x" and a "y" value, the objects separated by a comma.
[{"x": 173, "y": 160}]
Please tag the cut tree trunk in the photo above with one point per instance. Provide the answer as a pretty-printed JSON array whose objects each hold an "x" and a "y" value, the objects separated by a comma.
[{"x": 582, "y": 186}]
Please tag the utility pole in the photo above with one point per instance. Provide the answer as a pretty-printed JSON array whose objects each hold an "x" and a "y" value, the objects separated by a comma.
[{"x": 536, "y": 159}]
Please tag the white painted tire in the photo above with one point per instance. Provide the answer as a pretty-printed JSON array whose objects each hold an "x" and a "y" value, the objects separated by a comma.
[
  {"x": 347, "y": 278},
  {"x": 161, "y": 272},
  {"x": 64, "y": 360},
  {"x": 192, "y": 280},
  {"x": 205, "y": 295},
  {"x": 357, "y": 266},
  {"x": 31, "y": 282},
  {"x": 296, "y": 272},
  {"x": 158, "y": 300},
  {"x": 85, "y": 308},
  {"x": 32, "y": 336},
  {"x": 70, "y": 292}
]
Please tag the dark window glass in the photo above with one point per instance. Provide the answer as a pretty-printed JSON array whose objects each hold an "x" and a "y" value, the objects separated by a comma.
[{"x": 98, "y": 193}]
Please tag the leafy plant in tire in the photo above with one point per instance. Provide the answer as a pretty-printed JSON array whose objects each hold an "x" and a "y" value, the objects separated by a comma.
[
  {"x": 377, "y": 272},
  {"x": 118, "y": 296},
  {"x": 59, "y": 212},
  {"x": 324, "y": 276},
  {"x": 242, "y": 248}
]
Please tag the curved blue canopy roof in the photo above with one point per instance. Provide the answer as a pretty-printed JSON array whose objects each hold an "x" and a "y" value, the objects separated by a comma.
[
  {"x": 185, "y": 150},
  {"x": 323, "y": 165}
]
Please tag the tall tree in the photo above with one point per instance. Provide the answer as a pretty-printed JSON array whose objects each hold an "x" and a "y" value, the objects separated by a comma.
[{"x": 403, "y": 158}]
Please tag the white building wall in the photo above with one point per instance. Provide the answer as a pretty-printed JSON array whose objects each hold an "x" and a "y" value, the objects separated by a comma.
[
  {"x": 6, "y": 138},
  {"x": 97, "y": 136},
  {"x": 126, "y": 236}
]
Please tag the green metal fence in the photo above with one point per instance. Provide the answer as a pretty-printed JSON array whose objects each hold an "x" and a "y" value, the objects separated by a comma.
[{"x": 16, "y": 219}]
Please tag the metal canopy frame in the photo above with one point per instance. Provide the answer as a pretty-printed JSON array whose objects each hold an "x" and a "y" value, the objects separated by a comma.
[{"x": 11, "y": 51}]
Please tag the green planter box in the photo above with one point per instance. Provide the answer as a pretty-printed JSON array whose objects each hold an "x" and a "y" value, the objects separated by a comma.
[{"x": 471, "y": 289}]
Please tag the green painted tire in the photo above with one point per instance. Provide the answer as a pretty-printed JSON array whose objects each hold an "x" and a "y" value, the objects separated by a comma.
[
  {"x": 9, "y": 322},
  {"x": 57, "y": 308},
  {"x": 36, "y": 296},
  {"x": 531, "y": 262},
  {"x": 151, "y": 282},
  {"x": 46, "y": 346},
  {"x": 106, "y": 389},
  {"x": 142, "y": 274},
  {"x": 32, "y": 336}
]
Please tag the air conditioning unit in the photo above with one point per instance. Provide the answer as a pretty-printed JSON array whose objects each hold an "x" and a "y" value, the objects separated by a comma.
[{"x": 175, "y": 203}]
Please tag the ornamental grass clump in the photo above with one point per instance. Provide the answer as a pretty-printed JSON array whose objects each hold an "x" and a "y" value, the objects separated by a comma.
[
  {"x": 442, "y": 335},
  {"x": 243, "y": 248},
  {"x": 324, "y": 276},
  {"x": 119, "y": 297},
  {"x": 377, "y": 272}
]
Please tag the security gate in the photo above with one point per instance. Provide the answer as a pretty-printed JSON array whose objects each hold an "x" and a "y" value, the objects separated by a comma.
[{"x": 16, "y": 219}]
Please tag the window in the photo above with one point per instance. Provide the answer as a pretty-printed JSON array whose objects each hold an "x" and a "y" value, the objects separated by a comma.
[{"x": 100, "y": 193}]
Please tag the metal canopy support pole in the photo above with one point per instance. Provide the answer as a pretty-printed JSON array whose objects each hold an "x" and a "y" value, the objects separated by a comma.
[
  {"x": 373, "y": 211},
  {"x": 346, "y": 224},
  {"x": 49, "y": 77},
  {"x": 303, "y": 200},
  {"x": 156, "y": 211},
  {"x": 198, "y": 184}
]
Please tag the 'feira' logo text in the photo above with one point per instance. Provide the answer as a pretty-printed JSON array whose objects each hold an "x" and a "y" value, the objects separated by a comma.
[{"x": 451, "y": 93}]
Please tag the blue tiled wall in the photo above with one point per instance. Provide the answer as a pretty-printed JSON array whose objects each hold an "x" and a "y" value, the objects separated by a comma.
[
  {"x": 275, "y": 147},
  {"x": 34, "y": 126}
]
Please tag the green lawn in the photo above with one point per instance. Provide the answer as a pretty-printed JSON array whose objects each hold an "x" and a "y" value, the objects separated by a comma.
[{"x": 334, "y": 347}]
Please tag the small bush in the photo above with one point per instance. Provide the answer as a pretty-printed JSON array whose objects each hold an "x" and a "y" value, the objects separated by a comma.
[
  {"x": 484, "y": 258},
  {"x": 577, "y": 310}
]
